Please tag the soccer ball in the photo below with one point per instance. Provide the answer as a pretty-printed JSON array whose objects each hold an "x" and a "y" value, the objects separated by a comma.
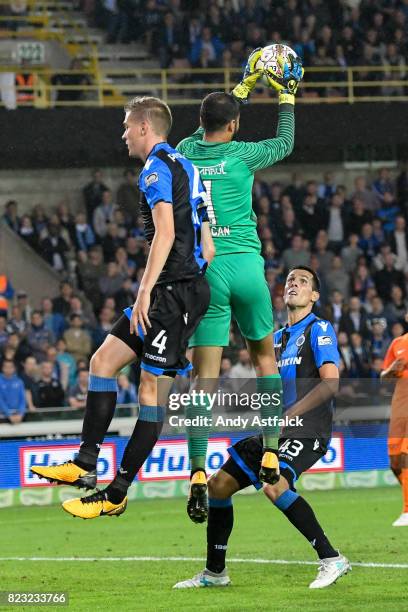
[{"x": 269, "y": 58}]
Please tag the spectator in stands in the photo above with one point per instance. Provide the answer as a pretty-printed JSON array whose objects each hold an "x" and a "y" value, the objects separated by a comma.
[
  {"x": 50, "y": 392},
  {"x": 24, "y": 304},
  {"x": 62, "y": 303},
  {"x": 324, "y": 256},
  {"x": 12, "y": 394},
  {"x": 28, "y": 233},
  {"x": 327, "y": 189},
  {"x": 387, "y": 277},
  {"x": 84, "y": 235},
  {"x": 127, "y": 393},
  {"x": 56, "y": 365},
  {"x": 73, "y": 80},
  {"x": 396, "y": 308},
  {"x": 337, "y": 279},
  {"x": 54, "y": 248},
  {"x": 362, "y": 192},
  {"x": 358, "y": 216},
  {"x": 244, "y": 368},
  {"x": 78, "y": 392},
  {"x": 93, "y": 194},
  {"x": 398, "y": 240},
  {"x": 67, "y": 363},
  {"x": 111, "y": 242},
  {"x": 334, "y": 310},
  {"x": 106, "y": 319},
  {"x": 383, "y": 184},
  {"x": 6, "y": 293},
  {"x": 16, "y": 323},
  {"x": 111, "y": 282},
  {"x": 103, "y": 214},
  {"x": 287, "y": 229},
  {"x": 125, "y": 296},
  {"x": 90, "y": 269},
  {"x": 29, "y": 376},
  {"x": 362, "y": 281},
  {"x": 85, "y": 311},
  {"x": 354, "y": 319},
  {"x": 296, "y": 255},
  {"x": 169, "y": 40},
  {"x": 280, "y": 313},
  {"x": 77, "y": 339},
  {"x": 206, "y": 51},
  {"x": 128, "y": 196},
  {"x": 379, "y": 341},
  {"x": 377, "y": 314},
  {"x": 335, "y": 223},
  {"x": 360, "y": 355},
  {"x": 350, "y": 366},
  {"x": 10, "y": 215},
  {"x": 39, "y": 338},
  {"x": 54, "y": 321},
  {"x": 310, "y": 217},
  {"x": 351, "y": 253},
  {"x": 388, "y": 212}
]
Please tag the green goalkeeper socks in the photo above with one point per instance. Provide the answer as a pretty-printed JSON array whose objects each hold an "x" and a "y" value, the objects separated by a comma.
[
  {"x": 198, "y": 432},
  {"x": 270, "y": 407}
]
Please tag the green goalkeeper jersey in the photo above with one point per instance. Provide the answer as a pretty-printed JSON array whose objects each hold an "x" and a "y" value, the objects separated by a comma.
[{"x": 227, "y": 171}]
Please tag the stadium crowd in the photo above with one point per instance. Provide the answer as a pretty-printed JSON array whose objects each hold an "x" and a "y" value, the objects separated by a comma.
[
  {"x": 223, "y": 32},
  {"x": 356, "y": 241}
]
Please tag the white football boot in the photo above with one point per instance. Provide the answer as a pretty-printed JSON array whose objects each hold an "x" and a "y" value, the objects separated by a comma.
[
  {"x": 205, "y": 579},
  {"x": 401, "y": 521},
  {"x": 329, "y": 571}
]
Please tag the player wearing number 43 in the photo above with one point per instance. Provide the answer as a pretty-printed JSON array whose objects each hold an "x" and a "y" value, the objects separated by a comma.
[
  {"x": 236, "y": 275},
  {"x": 172, "y": 298},
  {"x": 308, "y": 360}
]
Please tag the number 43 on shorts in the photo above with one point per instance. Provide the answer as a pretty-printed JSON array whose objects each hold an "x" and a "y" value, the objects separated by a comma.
[{"x": 159, "y": 341}]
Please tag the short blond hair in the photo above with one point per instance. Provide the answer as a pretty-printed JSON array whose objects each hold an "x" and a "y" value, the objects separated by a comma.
[{"x": 153, "y": 110}]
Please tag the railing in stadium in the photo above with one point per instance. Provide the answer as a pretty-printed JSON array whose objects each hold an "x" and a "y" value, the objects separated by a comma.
[{"x": 323, "y": 85}]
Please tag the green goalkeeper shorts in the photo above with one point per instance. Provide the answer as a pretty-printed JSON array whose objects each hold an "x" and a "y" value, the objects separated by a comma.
[{"x": 238, "y": 287}]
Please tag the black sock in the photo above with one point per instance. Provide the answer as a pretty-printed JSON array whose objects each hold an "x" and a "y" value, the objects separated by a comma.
[
  {"x": 145, "y": 435},
  {"x": 301, "y": 515},
  {"x": 219, "y": 527},
  {"x": 100, "y": 407}
]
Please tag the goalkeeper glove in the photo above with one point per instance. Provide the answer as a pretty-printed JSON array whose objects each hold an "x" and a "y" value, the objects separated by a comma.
[
  {"x": 250, "y": 77},
  {"x": 288, "y": 81}
]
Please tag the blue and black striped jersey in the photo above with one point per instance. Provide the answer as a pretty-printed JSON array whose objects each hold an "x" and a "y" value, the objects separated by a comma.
[
  {"x": 167, "y": 176},
  {"x": 301, "y": 349}
]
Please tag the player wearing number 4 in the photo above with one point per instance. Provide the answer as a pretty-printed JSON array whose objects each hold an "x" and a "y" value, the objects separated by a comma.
[
  {"x": 236, "y": 275},
  {"x": 308, "y": 362},
  {"x": 172, "y": 298}
]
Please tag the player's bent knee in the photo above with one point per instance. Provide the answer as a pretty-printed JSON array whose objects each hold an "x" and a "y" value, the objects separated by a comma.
[
  {"x": 221, "y": 485},
  {"x": 272, "y": 492},
  {"x": 148, "y": 388}
]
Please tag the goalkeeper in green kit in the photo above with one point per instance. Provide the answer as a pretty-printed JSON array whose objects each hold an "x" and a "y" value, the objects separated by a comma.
[{"x": 236, "y": 274}]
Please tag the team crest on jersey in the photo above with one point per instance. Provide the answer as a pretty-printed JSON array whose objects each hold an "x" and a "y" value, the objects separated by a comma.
[
  {"x": 151, "y": 178},
  {"x": 323, "y": 324},
  {"x": 301, "y": 340},
  {"x": 324, "y": 340}
]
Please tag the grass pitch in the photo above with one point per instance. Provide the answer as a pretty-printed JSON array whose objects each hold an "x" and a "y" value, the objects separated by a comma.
[{"x": 357, "y": 521}]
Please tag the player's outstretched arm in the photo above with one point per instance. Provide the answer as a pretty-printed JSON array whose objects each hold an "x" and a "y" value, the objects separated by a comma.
[
  {"x": 162, "y": 243},
  {"x": 395, "y": 369},
  {"x": 267, "y": 152}
]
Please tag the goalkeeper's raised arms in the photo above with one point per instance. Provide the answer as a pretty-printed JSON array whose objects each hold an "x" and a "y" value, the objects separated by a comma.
[
  {"x": 292, "y": 74},
  {"x": 242, "y": 91}
]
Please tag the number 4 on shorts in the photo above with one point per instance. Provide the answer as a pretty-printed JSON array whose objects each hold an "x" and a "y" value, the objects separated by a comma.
[{"x": 159, "y": 341}]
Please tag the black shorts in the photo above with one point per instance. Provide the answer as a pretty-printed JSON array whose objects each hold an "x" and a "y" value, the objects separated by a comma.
[
  {"x": 295, "y": 457},
  {"x": 175, "y": 311}
]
